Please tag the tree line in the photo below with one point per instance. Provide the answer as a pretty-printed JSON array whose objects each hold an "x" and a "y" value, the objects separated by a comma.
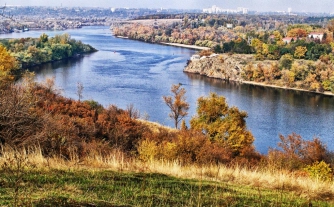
[{"x": 245, "y": 38}]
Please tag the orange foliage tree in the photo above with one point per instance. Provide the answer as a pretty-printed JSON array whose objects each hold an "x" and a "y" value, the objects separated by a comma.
[
  {"x": 296, "y": 152},
  {"x": 177, "y": 104}
]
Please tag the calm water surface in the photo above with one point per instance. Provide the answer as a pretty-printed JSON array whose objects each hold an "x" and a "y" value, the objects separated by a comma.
[{"x": 127, "y": 72}]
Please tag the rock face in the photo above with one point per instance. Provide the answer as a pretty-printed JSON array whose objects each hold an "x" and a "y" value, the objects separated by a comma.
[{"x": 223, "y": 66}]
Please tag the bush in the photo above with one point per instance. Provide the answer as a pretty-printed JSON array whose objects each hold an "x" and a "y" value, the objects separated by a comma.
[
  {"x": 296, "y": 153},
  {"x": 205, "y": 53},
  {"x": 147, "y": 150},
  {"x": 193, "y": 147},
  {"x": 320, "y": 171}
]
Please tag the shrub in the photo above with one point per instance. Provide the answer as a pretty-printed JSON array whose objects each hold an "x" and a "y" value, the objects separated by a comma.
[
  {"x": 205, "y": 53},
  {"x": 296, "y": 153},
  {"x": 147, "y": 150},
  {"x": 320, "y": 171},
  {"x": 194, "y": 147}
]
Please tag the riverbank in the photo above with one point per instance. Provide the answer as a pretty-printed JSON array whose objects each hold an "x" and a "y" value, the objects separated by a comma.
[
  {"x": 185, "y": 46},
  {"x": 236, "y": 68},
  {"x": 327, "y": 93},
  {"x": 195, "y": 47},
  {"x": 122, "y": 37}
]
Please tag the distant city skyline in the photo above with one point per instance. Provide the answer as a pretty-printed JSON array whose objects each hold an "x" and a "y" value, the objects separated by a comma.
[{"x": 322, "y": 6}]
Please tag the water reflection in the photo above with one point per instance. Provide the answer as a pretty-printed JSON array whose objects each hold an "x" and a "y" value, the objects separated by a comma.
[{"x": 273, "y": 111}]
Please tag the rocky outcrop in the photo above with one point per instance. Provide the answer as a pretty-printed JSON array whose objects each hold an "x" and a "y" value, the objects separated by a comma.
[
  {"x": 223, "y": 66},
  {"x": 231, "y": 68}
]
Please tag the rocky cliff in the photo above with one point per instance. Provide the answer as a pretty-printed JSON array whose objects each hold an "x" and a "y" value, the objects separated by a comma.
[{"x": 223, "y": 66}]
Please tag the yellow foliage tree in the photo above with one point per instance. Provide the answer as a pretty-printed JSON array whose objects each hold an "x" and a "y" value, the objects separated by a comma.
[
  {"x": 221, "y": 123},
  {"x": 7, "y": 65},
  {"x": 147, "y": 150},
  {"x": 300, "y": 52},
  {"x": 330, "y": 25},
  {"x": 278, "y": 36}
]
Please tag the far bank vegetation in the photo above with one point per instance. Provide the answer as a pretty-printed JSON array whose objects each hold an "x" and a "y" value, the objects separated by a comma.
[
  {"x": 287, "y": 55},
  {"x": 34, "y": 51}
]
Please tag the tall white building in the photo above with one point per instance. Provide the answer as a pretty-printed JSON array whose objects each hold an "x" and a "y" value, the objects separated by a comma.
[{"x": 216, "y": 10}]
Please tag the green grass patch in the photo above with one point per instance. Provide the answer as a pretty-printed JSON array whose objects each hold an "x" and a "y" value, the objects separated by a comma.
[{"x": 109, "y": 188}]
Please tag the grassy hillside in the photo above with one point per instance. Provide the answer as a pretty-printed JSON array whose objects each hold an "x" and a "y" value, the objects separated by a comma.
[{"x": 32, "y": 180}]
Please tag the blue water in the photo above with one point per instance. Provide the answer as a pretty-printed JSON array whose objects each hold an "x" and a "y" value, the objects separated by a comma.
[{"x": 125, "y": 72}]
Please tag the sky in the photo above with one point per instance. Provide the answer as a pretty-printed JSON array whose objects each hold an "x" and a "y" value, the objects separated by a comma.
[{"x": 326, "y": 6}]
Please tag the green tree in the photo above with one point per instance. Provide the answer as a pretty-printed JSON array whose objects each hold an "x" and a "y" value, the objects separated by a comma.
[
  {"x": 222, "y": 123},
  {"x": 44, "y": 38},
  {"x": 177, "y": 104},
  {"x": 286, "y": 61},
  {"x": 61, "y": 51}
]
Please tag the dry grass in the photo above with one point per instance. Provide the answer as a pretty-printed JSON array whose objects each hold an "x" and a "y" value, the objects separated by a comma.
[
  {"x": 156, "y": 127},
  {"x": 302, "y": 186}
]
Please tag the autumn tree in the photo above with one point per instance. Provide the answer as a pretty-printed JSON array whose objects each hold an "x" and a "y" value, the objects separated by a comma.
[
  {"x": 177, "y": 104},
  {"x": 300, "y": 52},
  {"x": 295, "y": 152},
  {"x": 277, "y": 35},
  {"x": 297, "y": 32},
  {"x": 7, "y": 65},
  {"x": 330, "y": 26},
  {"x": 221, "y": 123}
]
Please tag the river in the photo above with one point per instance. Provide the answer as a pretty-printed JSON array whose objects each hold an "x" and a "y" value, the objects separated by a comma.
[{"x": 125, "y": 72}]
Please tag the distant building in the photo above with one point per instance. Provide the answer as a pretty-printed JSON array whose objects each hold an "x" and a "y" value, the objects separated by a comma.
[
  {"x": 195, "y": 57},
  {"x": 229, "y": 26},
  {"x": 316, "y": 35},
  {"x": 217, "y": 10},
  {"x": 287, "y": 40},
  {"x": 242, "y": 10}
]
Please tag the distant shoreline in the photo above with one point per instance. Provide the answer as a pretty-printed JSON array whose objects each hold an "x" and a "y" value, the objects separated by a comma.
[
  {"x": 122, "y": 37},
  {"x": 186, "y": 46},
  {"x": 327, "y": 93},
  {"x": 195, "y": 47}
]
